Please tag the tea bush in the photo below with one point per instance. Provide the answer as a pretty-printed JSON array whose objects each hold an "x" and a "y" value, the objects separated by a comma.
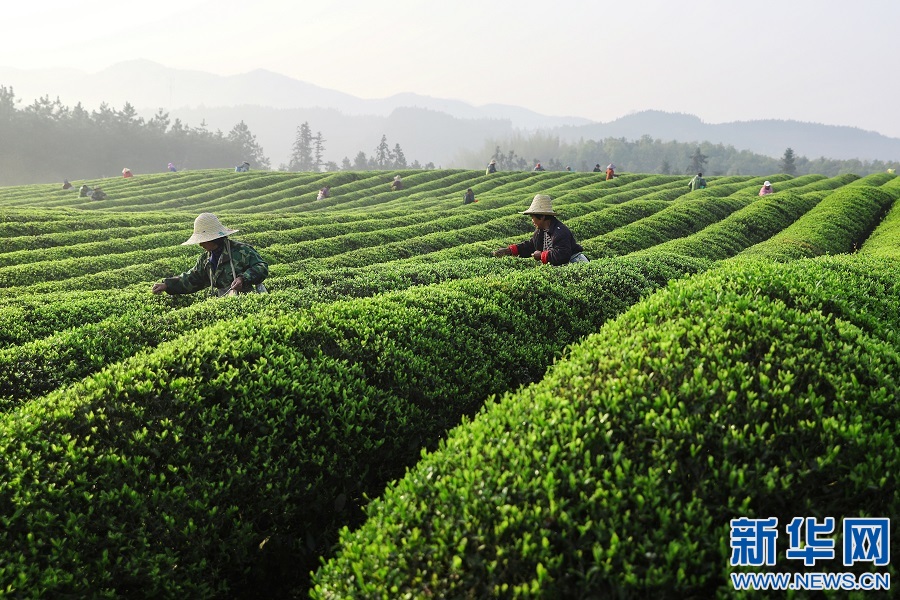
[{"x": 753, "y": 390}]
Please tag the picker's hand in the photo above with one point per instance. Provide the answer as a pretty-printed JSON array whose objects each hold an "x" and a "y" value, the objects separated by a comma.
[
  {"x": 158, "y": 288},
  {"x": 536, "y": 255},
  {"x": 237, "y": 284},
  {"x": 501, "y": 252}
]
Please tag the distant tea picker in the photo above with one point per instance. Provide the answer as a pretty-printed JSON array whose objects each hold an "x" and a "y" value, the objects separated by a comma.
[{"x": 227, "y": 267}]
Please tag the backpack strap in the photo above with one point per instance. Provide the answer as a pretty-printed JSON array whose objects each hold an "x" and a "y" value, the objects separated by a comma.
[
  {"x": 230, "y": 259},
  {"x": 212, "y": 284}
]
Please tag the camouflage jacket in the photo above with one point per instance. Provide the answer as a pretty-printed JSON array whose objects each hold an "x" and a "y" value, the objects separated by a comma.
[{"x": 247, "y": 265}]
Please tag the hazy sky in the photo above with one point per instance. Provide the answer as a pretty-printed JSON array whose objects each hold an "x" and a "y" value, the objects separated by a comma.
[{"x": 812, "y": 60}]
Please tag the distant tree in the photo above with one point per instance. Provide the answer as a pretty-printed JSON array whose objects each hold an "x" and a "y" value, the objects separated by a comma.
[
  {"x": 665, "y": 168},
  {"x": 104, "y": 116},
  {"x": 160, "y": 122},
  {"x": 250, "y": 150},
  {"x": 128, "y": 116},
  {"x": 509, "y": 162},
  {"x": 430, "y": 165},
  {"x": 346, "y": 165},
  {"x": 44, "y": 108},
  {"x": 302, "y": 150},
  {"x": 81, "y": 118},
  {"x": 415, "y": 165},
  {"x": 398, "y": 159},
  {"x": 7, "y": 104},
  {"x": 318, "y": 150},
  {"x": 498, "y": 156},
  {"x": 382, "y": 157},
  {"x": 698, "y": 161},
  {"x": 787, "y": 162},
  {"x": 361, "y": 163},
  {"x": 331, "y": 166}
]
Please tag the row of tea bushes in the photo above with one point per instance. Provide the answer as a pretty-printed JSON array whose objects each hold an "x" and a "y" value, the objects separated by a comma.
[
  {"x": 28, "y": 317},
  {"x": 688, "y": 219},
  {"x": 745, "y": 227},
  {"x": 54, "y": 343},
  {"x": 78, "y": 255},
  {"x": 67, "y": 234},
  {"x": 762, "y": 218},
  {"x": 256, "y": 192},
  {"x": 223, "y": 463},
  {"x": 754, "y": 390},
  {"x": 885, "y": 240},
  {"x": 839, "y": 223}
]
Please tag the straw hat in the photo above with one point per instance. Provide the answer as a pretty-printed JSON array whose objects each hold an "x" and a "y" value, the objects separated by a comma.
[
  {"x": 540, "y": 206},
  {"x": 766, "y": 183},
  {"x": 206, "y": 229},
  {"x": 493, "y": 161}
]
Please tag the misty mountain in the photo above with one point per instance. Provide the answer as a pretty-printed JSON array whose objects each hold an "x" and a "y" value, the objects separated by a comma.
[
  {"x": 427, "y": 129},
  {"x": 769, "y": 137}
]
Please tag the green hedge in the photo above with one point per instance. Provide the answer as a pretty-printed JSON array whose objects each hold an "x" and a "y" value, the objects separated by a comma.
[{"x": 756, "y": 390}]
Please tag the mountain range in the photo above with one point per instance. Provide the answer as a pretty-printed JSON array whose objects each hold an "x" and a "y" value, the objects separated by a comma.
[{"x": 427, "y": 129}]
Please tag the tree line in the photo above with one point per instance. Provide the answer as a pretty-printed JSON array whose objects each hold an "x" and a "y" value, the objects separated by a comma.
[
  {"x": 648, "y": 155},
  {"x": 308, "y": 151},
  {"x": 47, "y": 141}
]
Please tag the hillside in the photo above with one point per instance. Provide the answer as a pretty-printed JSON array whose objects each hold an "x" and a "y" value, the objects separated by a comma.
[{"x": 403, "y": 415}]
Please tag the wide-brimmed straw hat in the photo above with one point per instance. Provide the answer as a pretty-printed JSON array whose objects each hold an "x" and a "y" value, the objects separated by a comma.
[
  {"x": 207, "y": 228},
  {"x": 541, "y": 205}
]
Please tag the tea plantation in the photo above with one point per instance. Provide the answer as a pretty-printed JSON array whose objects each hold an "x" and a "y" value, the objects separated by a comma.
[{"x": 403, "y": 416}]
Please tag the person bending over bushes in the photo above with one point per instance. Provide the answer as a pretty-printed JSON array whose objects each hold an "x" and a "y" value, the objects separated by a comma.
[
  {"x": 552, "y": 241},
  {"x": 228, "y": 267}
]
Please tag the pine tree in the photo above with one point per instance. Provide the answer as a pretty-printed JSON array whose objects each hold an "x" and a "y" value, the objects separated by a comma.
[
  {"x": 361, "y": 163},
  {"x": 160, "y": 122},
  {"x": 382, "y": 158},
  {"x": 302, "y": 151},
  {"x": 787, "y": 162},
  {"x": 698, "y": 161},
  {"x": 398, "y": 158},
  {"x": 318, "y": 151},
  {"x": 250, "y": 150}
]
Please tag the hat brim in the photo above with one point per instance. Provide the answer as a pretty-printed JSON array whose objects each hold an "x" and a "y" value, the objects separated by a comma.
[
  {"x": 550, "y": 213},
  {"x": 199, "y": 238}
]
